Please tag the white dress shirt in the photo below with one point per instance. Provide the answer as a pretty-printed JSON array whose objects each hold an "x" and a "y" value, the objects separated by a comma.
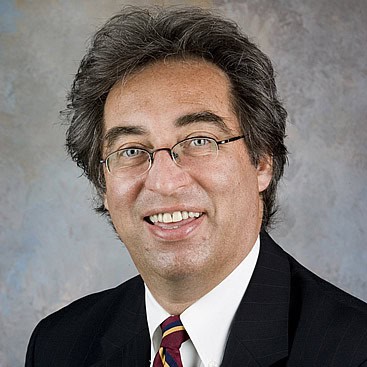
[{"x": 208, "y": 320}]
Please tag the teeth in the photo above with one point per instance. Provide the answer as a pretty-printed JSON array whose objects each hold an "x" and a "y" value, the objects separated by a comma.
[
  {"x": 173, "y": 217},
  {"x": 176, "y": 217},
  {"x": 167, "y": 218}
]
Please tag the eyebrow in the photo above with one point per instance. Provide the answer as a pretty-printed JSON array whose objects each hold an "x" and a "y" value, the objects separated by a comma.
[
  {"x": 116, "y": 132},
  {"x": 192, "y": 118},
  {"x": 205, "y": 116}
]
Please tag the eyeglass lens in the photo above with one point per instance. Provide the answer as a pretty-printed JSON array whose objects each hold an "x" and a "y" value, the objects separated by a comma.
[{"x": 188, "y": 153}]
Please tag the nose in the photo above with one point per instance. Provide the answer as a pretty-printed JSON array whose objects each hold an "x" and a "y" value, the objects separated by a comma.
[{"x": 165, "y": 176}]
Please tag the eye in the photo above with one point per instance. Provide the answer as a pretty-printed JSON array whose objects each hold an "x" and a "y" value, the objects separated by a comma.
[
  {"x": 200, "y": 142},
  {"x": 130, "y": 153},
  {"x": 197, "y": 146}
]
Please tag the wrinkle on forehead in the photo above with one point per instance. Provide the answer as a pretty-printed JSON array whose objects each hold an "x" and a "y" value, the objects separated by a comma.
[
  {"x": 169, "y": 62},
  {"x": 148, "y": 94}
]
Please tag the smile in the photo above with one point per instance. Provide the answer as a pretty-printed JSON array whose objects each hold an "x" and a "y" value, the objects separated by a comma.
[
  {"x": 174, "y": 217},
  {"x": 174, "y": 226}
]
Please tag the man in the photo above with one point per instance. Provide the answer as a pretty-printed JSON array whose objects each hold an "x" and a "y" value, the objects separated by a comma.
[{"x": 175, "y": 119}]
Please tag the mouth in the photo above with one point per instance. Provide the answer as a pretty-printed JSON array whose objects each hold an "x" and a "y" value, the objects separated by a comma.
[
  {"x": 175, "y": 226},
  {"x": 177, "y": 217}
]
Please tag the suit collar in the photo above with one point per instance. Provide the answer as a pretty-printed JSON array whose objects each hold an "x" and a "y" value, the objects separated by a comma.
[
  {"x": 124, "y": 332},
  {"x": 259, "y": 334}
]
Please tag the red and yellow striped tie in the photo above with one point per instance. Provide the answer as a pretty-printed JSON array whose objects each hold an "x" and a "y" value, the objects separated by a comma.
[{"x": 173, "y": 335}]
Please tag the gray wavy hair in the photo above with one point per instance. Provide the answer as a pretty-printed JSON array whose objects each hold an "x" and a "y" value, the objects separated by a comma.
[{"x": 136, "y": 37}]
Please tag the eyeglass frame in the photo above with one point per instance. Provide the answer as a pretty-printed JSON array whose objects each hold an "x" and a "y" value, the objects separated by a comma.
[{"x": 169, "y": 150}]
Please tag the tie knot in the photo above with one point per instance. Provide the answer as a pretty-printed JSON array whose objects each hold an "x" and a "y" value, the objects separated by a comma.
[{"x": 173, "y": 333}]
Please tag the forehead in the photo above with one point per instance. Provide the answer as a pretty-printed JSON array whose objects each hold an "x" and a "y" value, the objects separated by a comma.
[{"x": 161, "y": 93}]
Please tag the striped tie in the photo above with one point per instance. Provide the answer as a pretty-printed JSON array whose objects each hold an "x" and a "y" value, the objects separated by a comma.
[{"x": 174, "y": 334}]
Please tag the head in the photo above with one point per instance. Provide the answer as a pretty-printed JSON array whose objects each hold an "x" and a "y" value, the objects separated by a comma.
[
  {"x": 195, "y": 212},
  {"x": 136, "y": 38}
]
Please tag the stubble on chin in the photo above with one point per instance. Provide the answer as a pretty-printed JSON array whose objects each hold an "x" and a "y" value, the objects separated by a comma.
[{"x": 176, "y": 266}]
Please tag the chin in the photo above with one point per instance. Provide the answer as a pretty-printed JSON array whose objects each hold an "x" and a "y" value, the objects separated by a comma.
[{"x": 176, "y": 268}]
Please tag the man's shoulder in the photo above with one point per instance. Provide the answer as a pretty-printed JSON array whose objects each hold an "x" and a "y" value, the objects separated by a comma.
[
  {"x": 95, "y": 305},
  {"x": 85, "y": 321},
  {"x": 325, "y": 316},
  {"x": 325, "y": 323},
  {"x": 312, "y": 288}
]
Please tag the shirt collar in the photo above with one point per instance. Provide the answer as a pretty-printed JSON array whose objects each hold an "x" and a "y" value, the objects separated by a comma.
[{"x": 219, "y": 307}]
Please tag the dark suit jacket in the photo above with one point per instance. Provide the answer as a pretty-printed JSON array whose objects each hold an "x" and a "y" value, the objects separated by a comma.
[{"x": 288, "y": 317}]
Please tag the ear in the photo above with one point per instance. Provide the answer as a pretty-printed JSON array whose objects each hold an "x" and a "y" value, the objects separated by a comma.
[
  {"x": 264, "y": 172},
  {"x": 105, "y": 202}
]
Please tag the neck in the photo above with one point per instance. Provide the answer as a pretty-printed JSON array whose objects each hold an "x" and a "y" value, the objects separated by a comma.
[
  {"x": 175, "y": 294},
  {"x": 175, "y": 297},
  {"x": 177, "y": 290}
]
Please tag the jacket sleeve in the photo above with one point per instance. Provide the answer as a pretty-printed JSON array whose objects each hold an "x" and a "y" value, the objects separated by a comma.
[{"x": 30, "y": 359}]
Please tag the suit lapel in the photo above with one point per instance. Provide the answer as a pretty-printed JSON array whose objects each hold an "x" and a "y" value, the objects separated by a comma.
[
  {"x": 136, "y": 353},
  {"x": 259, "y": 333},
  {"x": 124, "y": 337}
]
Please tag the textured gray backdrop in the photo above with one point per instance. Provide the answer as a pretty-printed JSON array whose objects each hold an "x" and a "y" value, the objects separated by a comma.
[{"x": 54, "y": 249}]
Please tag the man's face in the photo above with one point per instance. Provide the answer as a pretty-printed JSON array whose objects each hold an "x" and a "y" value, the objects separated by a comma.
[{"x": 224, "y": 192}]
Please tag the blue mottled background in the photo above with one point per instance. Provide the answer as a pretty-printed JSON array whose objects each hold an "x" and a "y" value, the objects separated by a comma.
[{"x": 55, "y": 249}]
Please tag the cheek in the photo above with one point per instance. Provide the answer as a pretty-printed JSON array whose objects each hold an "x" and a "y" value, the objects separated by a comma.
[
  {"x": 120, "y": 195},
  {"x": 233, "y": 190},
  {"x": 239, "y": 189},
  {"x": 236, "y": 175}
]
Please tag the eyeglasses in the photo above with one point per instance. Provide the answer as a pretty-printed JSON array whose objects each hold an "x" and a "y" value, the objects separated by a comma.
[{"x": 190, "y": 152}]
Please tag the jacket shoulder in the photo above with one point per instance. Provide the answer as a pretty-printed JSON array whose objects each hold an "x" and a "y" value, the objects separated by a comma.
[
  {"x": 326, "y": 326},
  {"x": 93, "y": 304},
  {"x": 316, "y": 288},
  {"x": 75, "y": 327},
  {"x": 325, "y": 316}
]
